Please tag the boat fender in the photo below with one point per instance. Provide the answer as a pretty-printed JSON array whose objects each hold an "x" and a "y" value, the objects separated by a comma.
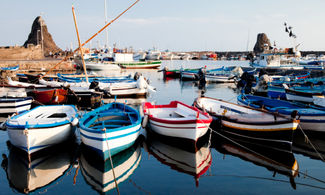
[
  {"x": 75, "y": 122},
  {"x": 145, "y": 120}
]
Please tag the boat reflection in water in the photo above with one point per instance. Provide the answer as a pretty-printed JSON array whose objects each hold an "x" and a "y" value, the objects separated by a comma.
[
  {"x": 38, "y": 173},
  {"x": 192, "y": 162},
  {"x": 278, "y": 161},
  {"x": 302, "y": 146},
  {"x": 99, "y": 174}
]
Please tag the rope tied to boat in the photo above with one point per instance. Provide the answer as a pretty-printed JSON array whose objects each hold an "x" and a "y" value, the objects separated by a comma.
[
  {"x": 246, "y": 148},
  {"x": 111, "y": 161},
  {"x": 307, "y": 140}
]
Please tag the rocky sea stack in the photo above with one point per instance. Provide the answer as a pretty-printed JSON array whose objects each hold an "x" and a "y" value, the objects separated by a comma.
[
  {"x": 39, "y": 35},
  {"x": 260, "y": 42}
]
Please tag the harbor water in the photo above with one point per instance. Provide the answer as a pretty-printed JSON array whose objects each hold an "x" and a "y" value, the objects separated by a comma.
[{"x": 155, "y": 166}]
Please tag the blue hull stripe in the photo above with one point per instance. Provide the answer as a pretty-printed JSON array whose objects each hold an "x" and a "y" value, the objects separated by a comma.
[{"x": 110, "y": 138}]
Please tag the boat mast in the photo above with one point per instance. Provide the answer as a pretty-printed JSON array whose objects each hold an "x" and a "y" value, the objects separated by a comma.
[
  {"x": 68, "y": 56},
  {"x": 80, "y": 46},
  {"x": 106, "y": 23}
]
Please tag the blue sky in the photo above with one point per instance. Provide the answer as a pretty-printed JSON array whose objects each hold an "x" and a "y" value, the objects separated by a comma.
[{"x": 177, "y": 25}]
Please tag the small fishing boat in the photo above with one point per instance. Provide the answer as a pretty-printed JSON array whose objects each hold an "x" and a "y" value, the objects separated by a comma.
[
  {"x": 99, "y": 174},
  {"x": 110, "y": 128},
  {"x": 175, "y": 73},
  {"x": 244, "y": 122},
  {"x": 176, "y": 119},
  {"x": 54, "y": 96},
  {"x": 194, "y": 163},
  {"x": 136, "y": 88},
  {"x": 216, "y": 78},
  {"x": 10, "y": 105},
  {"x": 12, "y": 68},
  {"x": 85, "y": 98},
  {"x": 102, "y": 66},
  {"x": 42, "y": 127},
  {"x": 77, "y": 79},
  {"x": 140, "y": 64},
  {"x": 190, "y": 75},
  {"x": 319, "y": 100},
  {"x": 301, "y": 95},
  {"x": 12, "y": 92},
  {"x": 311, "y": 118}
]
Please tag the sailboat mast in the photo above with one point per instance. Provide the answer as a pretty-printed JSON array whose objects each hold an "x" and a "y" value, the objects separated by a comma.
[
  {"x": 67, "y": 57},
  {"x": 105, "y": 7},
  {"x": 80, "y": 46}
]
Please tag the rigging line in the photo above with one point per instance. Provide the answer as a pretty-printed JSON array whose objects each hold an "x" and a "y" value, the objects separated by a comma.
[
  {"x": 263, "y": 178},
  {"x": 289, "y": 168},
  {"x": 111, "y": 161},
  {"x": 74, "y": 51},
  {"x": 312, "y": 145}
]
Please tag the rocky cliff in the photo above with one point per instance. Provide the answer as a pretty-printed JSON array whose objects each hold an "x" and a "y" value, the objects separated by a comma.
[
  {"x": 260, "y": 42},
  {"x": 39, "y": 35}
]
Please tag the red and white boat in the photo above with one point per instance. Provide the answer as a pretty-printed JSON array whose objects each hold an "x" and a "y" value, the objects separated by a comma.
[
  {"x": 54, "y": 96},
  {"x": 176, "y": 119}
]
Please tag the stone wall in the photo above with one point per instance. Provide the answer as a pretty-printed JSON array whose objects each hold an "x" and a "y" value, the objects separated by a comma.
[{"x": 32, "y": 52}]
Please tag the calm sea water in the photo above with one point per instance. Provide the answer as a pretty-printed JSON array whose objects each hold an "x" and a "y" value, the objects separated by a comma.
[{"x": 158, "y": 167}]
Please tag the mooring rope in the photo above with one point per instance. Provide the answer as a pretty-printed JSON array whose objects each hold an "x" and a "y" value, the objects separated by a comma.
[
  {"x": 110, "y": 158},
  {"x": 312, "y": 145},
  {"x": 316, "y": 179}
]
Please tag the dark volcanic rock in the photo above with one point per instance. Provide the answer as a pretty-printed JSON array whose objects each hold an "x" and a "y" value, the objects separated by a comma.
[
  {"x": 39, "y": 31},
  {"x": 261, "y": 41}
]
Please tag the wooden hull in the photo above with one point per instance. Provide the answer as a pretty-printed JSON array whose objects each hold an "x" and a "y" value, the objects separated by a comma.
[
  {"x": 41, "y": 127},
  {"x": 14, "y": 105},
  {"x": 310, "y": 119},
  {"x": 102, "y": 66},
  {"x": 110, "y": 129},
  {"x": 185, "y": 127},
  {"x": 301, "y": 96},
  {"x": 141, "y": 65},
  {"x": 55, "y": 96},
  {"x": 33, "y": 140},
  {"x": 250, "y": 124}
]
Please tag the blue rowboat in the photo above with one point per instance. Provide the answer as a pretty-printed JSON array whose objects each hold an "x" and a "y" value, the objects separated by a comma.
[
  {"x": 72, "y": 79},
  {"x": 280, "y": 92},
  {"x": 310, "y": 118},
  {"x": 110, "y": 129},
  {"x": 13, "y": 68},
  {"x": 42, "y": 127}
]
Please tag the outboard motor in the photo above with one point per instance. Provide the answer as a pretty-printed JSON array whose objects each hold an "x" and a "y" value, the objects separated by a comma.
[
  {"x": 136, "y": 76},
  {"x": 94, "y": 85},
  {"x": 246, "y": 82}
]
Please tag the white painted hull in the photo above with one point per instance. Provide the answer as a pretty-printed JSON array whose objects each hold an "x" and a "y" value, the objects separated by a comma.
[
  {"x": 319, "y": 100},
  {"x": 14, "y": 107},
  {"x": 218, "y": 79},
  {"x": 116, "y": 140},
  {"x": 299, "y": 98},
  {"x": 102, "y": 66},
  {"x": 186, "y": 131},
  {"x": 33, "y": 140}
]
